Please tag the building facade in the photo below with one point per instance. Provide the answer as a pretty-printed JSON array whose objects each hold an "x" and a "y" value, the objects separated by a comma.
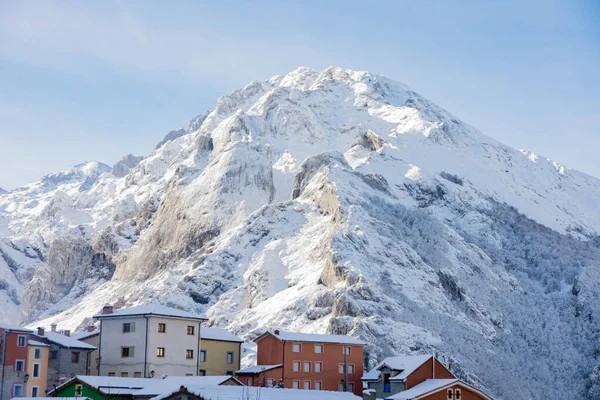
[
  {"x": 91, "y": 336},
  {"x": 14, "y": 347},
  {"x": 220, "y": 352},
  {"x": 37, "y": 368},
  {"x": 149, "y": 340},
  {"x": 313, "y": 361}
]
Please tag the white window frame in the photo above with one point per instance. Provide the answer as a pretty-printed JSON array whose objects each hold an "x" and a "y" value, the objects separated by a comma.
[
  {"x": 350, "y": 368},
  {"x": 306, "y": 364},
  {"x": 457, "y": 394},
  {"x": 341, "y": 368},
  {"x": 270, "y": 382},
  {"x": 33, "y": 371},
  {"x": 231, "y": 359},
  {"x": 296, "y": 384},
  {"x": 296, "y": 347},
  {"x": 318, "y": 366},
  {"x": 319, "y": 346},
  {"x": 17, "y": 361},
  {"x": 21, "y": 341},
  {"x": 203, "y": 354},
  {"x": 296, "y": 365},
  {"x": 306, "y": 385},
  {"x": 37, "y": 353},
  {"x": 347, "y": 350},
  {"x": 160, "y": 352},
  {"x": 318, "y": 385},
  {"x": 21, "y": 391},
  {"x": 37, "y": 391}
]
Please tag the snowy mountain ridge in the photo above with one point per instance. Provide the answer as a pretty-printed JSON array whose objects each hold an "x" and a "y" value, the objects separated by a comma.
[{"x": 329, "y": 201}]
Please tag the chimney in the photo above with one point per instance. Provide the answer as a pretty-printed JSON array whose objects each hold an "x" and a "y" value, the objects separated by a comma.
[
  {"x": 90, "y": 328},
  {"x": 40, "y": 331},
  {"x": 67, "y": 332},
  {"x": 107, "y": 309},
  {"x": 53, "y": 326},
  {"x": 277, "y": 331}
]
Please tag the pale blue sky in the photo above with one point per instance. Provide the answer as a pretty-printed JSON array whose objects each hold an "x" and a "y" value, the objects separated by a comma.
[{"x": 96, "y": 80}]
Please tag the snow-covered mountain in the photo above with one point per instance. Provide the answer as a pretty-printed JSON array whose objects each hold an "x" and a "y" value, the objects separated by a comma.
[{"x": 333, "y": 201}]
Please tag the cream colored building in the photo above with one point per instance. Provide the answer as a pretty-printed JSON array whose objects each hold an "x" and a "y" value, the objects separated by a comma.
[
  {"x": 149, "y": 340},
  {"x": 220, "y": 353},
  {"x": 37, "y": 369}
]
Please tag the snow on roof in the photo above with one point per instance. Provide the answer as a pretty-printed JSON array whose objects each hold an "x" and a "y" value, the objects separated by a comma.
[
  {"x": 86, "y": 334},
  {"x": 66, "y": 341},
  {"x": 170, "y": 384},
  {"x": 259, "y": 393},
  {"x": 257, "y": 369},
  {"x": 218, "y": 334},
  {"x": 15, "y": 328},
  {"x": 49, "y": 398},
  {"x": 406, "y": 364},
  {"x": 36, "y": 343},
  {"x": 152, "y": 309},
  {"x": 422, "y": 388},
  {"x": 313, "y": 337}
]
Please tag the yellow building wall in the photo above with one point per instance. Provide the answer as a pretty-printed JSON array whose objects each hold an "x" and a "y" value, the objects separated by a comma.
[
  {"x": 216, "y": 357},
  {"x": 41, "y": 381}
]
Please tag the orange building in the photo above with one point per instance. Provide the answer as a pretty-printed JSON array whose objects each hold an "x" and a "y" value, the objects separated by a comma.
[
  {"x": 307, "y": 361},
  {"x": 13, "y": 361}
]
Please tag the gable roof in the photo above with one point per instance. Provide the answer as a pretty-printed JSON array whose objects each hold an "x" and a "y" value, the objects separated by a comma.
[
  {"x": 209, "y": 333},
  {"x": 143, "y": 387},
  {"x": 260, "y": 393},
  {"x": 431, "y": 386},
  {"x": 86, "y": 334},
  {"x": 66, "y": 341},
  {"x": 152, "y": 309},
  {"x": 12, "y": 328},
  {"x": 311, "y": 337},
  {"x": 406, "y": 364},
  {"x": 257, "y": 369},
  {"x": 35, "y": 343}
]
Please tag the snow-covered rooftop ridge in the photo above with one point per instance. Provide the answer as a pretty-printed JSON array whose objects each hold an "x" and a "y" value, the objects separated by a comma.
[
  {"x": 14, "y": 328},
  {"x": 422, "y": 388},
  {"x": 66, "y": 341},
  {"x": 36, "y": 343},
  {"x": 406, "y": 364},
  {"x": 313, "y": 337},
  {"x": 86, "y": 334},
  {"x": 152, "y": 309},
  {"x": 260, "y": 393},
  {"x": 210, "y": 333},
  {"x": 255, "y": 369}
]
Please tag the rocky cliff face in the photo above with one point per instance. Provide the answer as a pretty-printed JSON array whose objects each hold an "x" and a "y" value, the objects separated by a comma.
[{"x": 333, "y": 201}]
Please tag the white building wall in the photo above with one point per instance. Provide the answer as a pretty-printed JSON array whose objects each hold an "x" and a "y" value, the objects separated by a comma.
[{"x": 175, "y": 341}]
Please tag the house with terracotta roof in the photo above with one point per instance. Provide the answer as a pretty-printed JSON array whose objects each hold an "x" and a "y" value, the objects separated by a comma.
[
  {"x": 308, "y": 361},
  {"x": 441, "y": 389}
]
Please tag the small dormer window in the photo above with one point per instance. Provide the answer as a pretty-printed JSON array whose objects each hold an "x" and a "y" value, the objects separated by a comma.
[
  {"x": 457, "y": 394},
  {"x": 450, "y": 394}
]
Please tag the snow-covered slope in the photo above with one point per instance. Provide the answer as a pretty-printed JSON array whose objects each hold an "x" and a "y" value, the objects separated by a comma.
[{"x": 333, "y": 201}]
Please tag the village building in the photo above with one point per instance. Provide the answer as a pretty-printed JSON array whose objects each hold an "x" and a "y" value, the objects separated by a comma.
[
  {"x": 261, "y": 375},
  {"x": 108, "y": 387},
  {"x": 14, "y": 347},
  {"x": 149, "y": 340},
  {"x": 308, "y": 361},
  {"x": 220, "y": 352},
  {"x": 91, "y": 335},
  {"x": 397, "y": 374},
  {"x": 67, "y": 356},
  {"x": 37, "y": 368},
  {"x": 441, "y": 389}
]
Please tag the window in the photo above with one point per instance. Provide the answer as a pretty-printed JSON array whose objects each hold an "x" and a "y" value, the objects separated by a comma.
[
  {"x": 457, "y": 394},
  {"x": 317, "y": 385},
  {"x": 306, "y": 385},
  {"x": 18, "y": 391},
  {"x": 190, "y": 329},
  {"x": 128, "y": 327},
  {"x": 35, "y": 391},
  {"x": 450, "y": 394},
  {"x": 137, "y": 374},
  {"x": 296, "y": 366},
  {"x": 127, "y": 351},
  {"x": 318, "y": 348},
  {"x": 53, "y": 354},
  {"x": 162, "y": 327},
  {"x": 21, "y": 341},
  {"x": 36, "y": 370},
  {"x": 202, "y": 372},
  {"x": 296, "y": 384},
  {"x": 350, "y": 368},
  {"x": 249, "y": 382},
  {"x": 318, "y": 366},
  {"x": 37, "y": 354},
  {"x": 160, "y": 352},
  {"x": 189, "y": 374},
  {"x": 202, "y": 355},
  {"x": 346, "y": 350},
  {"x": 111, "y": 374},
  {"x": 341, "y": 387},
  {"x": 78, "y": 390},
  {"x": 19, "y": 365},
  {"x": 270, "y": 382},
  {"x": 306, "y": 366},
  {"x": 189, "y": 354},
  {"x": 296, "y": 347},
  {"x": 124, "y": 374},
  {"x": 341, "y": 368},
  {"x": 229, "y": 357},
  {"x": 75, "y": 357},
  {"x": 387, "y": 386},
  {"x": 350, "y": 387}
]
